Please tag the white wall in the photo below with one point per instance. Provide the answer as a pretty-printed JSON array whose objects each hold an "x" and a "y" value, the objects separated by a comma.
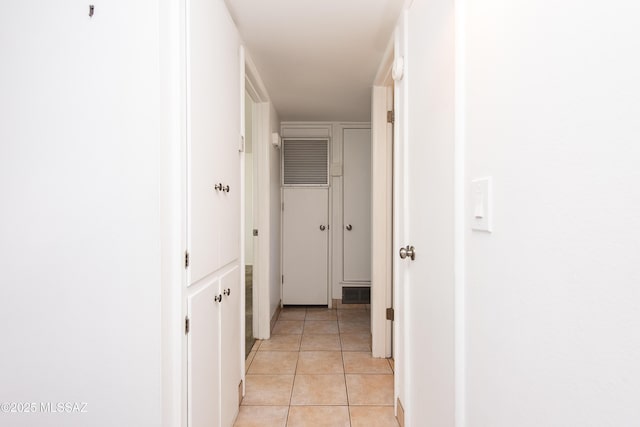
[
  {"x": 553, "y": 300},
  {"x": 79, "y": 227}
]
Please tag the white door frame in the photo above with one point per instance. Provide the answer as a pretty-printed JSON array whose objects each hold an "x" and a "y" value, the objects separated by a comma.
[
  {"x": 173, "y": 207},
  {"x": 261, "y": 146},
  {"x": 381, "y": 210}
]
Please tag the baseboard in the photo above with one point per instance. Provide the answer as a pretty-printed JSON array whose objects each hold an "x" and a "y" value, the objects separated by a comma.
[
  {"x": 400, "y": 416},
  {"x": 274, "y": 319}
]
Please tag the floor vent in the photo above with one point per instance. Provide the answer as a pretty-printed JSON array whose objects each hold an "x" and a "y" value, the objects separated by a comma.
[{"x": 356, "y": 295}]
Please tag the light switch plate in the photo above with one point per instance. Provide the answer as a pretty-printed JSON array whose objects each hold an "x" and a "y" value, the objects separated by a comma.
[{"x": 481, "y": 204}]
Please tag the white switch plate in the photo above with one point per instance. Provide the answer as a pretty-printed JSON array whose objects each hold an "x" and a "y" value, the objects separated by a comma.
[{"x": 481, "y": 204}]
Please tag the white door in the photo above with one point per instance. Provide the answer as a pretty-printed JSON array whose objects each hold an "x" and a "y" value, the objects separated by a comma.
[
  {"x": 230, "y": 345},
  {"x": 202, "y": 152},
  {"x": 305, "y": 245},
  {"x": 203, "y": 367},
  {"x": 425, "y": 216},
  {"x": 356, "y": 252}
]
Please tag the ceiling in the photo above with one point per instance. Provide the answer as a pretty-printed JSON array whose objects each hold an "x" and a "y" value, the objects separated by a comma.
[{"x": 317, "y": 58}]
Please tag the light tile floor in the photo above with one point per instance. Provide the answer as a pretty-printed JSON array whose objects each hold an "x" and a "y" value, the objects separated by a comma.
[{"x": 317, "y": 370}]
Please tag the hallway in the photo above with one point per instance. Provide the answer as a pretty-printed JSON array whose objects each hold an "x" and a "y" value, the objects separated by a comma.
[{"x": 317, "y": 370}]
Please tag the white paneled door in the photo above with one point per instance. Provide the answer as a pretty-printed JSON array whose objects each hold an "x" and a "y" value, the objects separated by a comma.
[
  {"x": 204, "y": 362},
  {"x": 305, "y": 246},
  {"x": 357, "y": 205},
  {"x": 230, "y": 341}
]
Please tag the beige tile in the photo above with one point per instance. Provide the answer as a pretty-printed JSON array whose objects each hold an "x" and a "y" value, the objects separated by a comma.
[
  {"x": 318, "y": 416},
  {"x": 256, "y": 345},
  {"x": 292, "y": 314},
  {"x": 400, "y": 410},
  {"x": 319, "y": 390},
  {"x": 320, "y": 327},
  {"x": 356, "y": 342},
  {"x": 281, "y": 343},
  {"x": 262, "y": 416},
  {"x": 268, "y": 390},
  {"x": 288, "y": 327},
  {"x": 354, "y": 327},
  {"x": 360, "y": 315},
  {"x": 320, "y": 362},
  {"x": 321, "y": 314},
  {"x": 342, "y": 306},
  {"x": 372, "y": 416},
  {"x": 247, "y": 362},
  {"x": 325, "y": 342},
  {"x": 363, "y": 363},
  {"x": 370, "y": 389},
  {"x": 274, "y": 363}
]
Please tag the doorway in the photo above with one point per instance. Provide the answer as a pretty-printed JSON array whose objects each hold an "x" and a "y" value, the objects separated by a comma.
[{"x": 250, "y": 220}]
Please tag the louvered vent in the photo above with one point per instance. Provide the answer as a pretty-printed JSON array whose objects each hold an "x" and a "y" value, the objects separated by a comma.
[{"x": 306, "y": 161}]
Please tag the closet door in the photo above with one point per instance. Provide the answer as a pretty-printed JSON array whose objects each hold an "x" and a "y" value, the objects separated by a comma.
[
  {"x": 305, "y": 246},
  {"x": 203, "y": 365},
  {"x": 356, "y": 234},
  {"x": 203, "y": 199},
  {"x": 230, "y": 341}
]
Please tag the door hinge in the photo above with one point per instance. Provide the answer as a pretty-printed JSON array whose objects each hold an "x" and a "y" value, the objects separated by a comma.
[
  {"x": 390, "y": 314},
  {"x": 391, "y": 117},
  {"x": 283, "y": 206},
  {"x": 187, "y": 326},
  {"x": 186, "y": 259},
  {"x": 283, "y": 279}
]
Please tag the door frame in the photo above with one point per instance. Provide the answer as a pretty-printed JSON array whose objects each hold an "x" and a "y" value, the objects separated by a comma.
[
  {"x": 253, "y": 86},
  {"x": 382, "y": 209}
]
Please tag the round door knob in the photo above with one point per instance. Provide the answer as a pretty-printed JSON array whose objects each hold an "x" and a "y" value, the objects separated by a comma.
[
  {"x": 349, "y": 227},
  {"x": 409, "y": 252},
  {"x": 322, "y": 228}
]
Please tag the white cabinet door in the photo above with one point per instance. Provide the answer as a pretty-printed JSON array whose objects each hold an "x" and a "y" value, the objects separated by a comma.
[
  {"x": 230, "y": 343},
  {"x": 356, "y": 254},
  {"x": 214, "y": 353},
  {"x": 203, "y": 199},
  {"x": 203, "y": 361},
  {"x": 213, "y": 87},
  {"x": 305, "y": 246}
]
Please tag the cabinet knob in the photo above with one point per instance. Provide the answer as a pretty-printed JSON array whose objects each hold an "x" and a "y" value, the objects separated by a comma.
[
  {"x": 218, "y": 187},
  {"x": 218, "y": 298},
  {"x": 227, "y": 291},
  {"x": 349, "y": 227},
  {"x": 226, "y": 189}
]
